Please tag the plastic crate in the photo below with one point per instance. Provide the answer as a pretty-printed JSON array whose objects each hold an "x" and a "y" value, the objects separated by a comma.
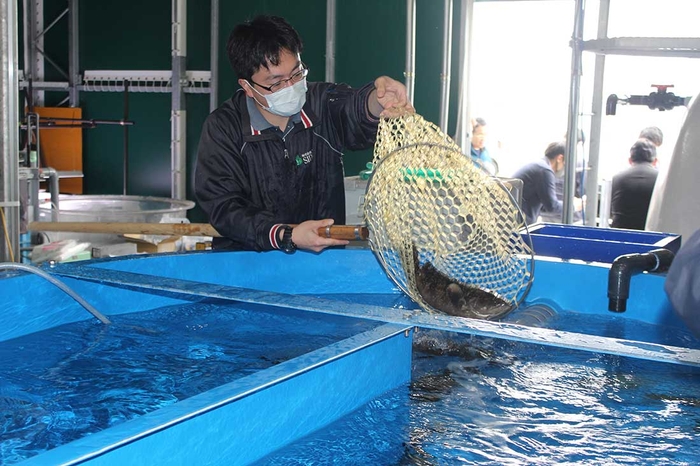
[{"x": 593, "y": 244}]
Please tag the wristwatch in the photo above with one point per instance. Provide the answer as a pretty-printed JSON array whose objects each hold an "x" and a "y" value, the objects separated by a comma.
[{"x": 287, "y": 245}]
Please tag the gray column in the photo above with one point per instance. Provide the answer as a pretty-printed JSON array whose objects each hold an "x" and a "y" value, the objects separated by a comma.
[
  {"x": 9, "y": 116},
  {"x": 591, "y": 184},
  {"x": 330, "y": 41},
  {"x": 178, "y": 116},
  {"x": 463, "y": 132},
  {"x": 572, "y": 132},
  {"x": 409, "y": 74},
  {"x": 446, "y": 65},
  {"x": 214, "y": 57},
  {"x": 73, "y": 53}
]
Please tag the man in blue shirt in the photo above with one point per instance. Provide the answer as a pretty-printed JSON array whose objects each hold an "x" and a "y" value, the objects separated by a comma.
[{"x": 480, "y": 155}]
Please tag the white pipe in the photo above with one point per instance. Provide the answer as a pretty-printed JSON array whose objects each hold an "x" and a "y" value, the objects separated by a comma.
[
  {"x": 462, "y": 134},
  {"x": 409, "y": 74},
  {"x": 330, "y": 41},
  {"x": 591, "y": 183},
  {"x": 178, "y": 115},
  {"x": 9, "y": 141},
  {"x": 572, "y": 131},
  {"x": 214, "y": 57},
  {"x": 446, "y": 65},
  {"x": 605, "y": 203}
]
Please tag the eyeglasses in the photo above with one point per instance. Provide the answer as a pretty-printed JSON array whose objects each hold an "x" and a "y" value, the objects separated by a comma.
[{"x": 295, "y": 78}]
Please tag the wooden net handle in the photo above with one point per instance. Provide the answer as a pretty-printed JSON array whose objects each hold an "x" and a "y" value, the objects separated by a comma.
[{"x": 347, "y": 232}]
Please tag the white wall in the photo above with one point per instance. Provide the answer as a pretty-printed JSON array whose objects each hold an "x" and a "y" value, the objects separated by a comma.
[{"x": 522, "y": 70}]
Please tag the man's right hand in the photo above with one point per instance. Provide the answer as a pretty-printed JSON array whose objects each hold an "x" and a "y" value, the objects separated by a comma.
[{"x": 305, "y": 236}]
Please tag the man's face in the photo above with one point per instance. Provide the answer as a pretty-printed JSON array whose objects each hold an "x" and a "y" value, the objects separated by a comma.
[
  {"x": 560, "y": 163},
  {"x": 479, "y": 137},
  {"x": 272, "y": 75}
]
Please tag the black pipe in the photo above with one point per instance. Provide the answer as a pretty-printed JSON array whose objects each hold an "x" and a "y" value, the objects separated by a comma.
[{"x": 623, "y": 267}]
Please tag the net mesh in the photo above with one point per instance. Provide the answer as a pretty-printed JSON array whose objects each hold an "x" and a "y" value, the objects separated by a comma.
[{"x": 445, "y": 231}]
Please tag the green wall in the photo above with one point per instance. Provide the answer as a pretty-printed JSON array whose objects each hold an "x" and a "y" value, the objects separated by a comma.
[{"x": 136, "y": 35}]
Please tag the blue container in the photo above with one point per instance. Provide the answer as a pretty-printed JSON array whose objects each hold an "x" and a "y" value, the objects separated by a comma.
[
  {"x": 592, "y": 244},
  {"x": 248, "y": 418}
]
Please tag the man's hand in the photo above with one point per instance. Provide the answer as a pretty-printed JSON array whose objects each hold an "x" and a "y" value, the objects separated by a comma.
[
  {"x": 389, "y": 98},
  {"x": 305, "y": 236}
]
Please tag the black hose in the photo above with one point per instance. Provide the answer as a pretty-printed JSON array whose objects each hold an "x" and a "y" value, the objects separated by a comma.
[{"x": 622, "y": 269}]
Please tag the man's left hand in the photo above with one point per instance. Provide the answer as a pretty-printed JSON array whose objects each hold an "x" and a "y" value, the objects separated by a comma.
[{"x": 389, "y": 99}]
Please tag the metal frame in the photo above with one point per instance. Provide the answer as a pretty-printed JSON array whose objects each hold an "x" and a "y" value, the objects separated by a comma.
[
  {"x": 9, "y": 143},
  {"x": 602, "y": 46}
]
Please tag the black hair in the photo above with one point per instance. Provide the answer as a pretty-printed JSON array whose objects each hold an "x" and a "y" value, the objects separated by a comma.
[
  {"x": 554, "y": 149},
  {"x": 478, "y": 122},
  {"x": 643, "y": 151},
  {"x": 653, "y": 134},
  {"x": 258, "y": 43}
]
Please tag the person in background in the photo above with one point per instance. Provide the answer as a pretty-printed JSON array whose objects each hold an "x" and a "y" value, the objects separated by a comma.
[
  {"x": 539, "y": 182},
  {"x": 272, "y": 155},
  {"x": 683, "y": 282},
  {"x": 480, "y": 155},
  {"x": 632, "y": 188},
  {"x": 556, "y": 217},
  {"x": 654, "y": 134}
]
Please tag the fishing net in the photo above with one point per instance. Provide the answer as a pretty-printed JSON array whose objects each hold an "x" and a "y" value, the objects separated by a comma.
[{"x": 446, "y": 232}]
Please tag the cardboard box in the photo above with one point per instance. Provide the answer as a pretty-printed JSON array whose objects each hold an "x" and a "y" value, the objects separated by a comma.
[{"x": 151, "y": 245}]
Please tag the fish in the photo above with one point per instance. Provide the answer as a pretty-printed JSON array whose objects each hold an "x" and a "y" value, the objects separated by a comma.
[{"x": 451, "y": 297}]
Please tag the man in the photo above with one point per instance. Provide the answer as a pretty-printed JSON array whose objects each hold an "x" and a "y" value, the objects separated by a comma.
[
  {"x": 539, "y": 182},
  {"x": 272, "y": 155},
  {"x": 550, "y": 217},
  {"x": 480, "y": 155},
  {"x": 654, "y": 134},
  {"x": 632, "y": 188}
]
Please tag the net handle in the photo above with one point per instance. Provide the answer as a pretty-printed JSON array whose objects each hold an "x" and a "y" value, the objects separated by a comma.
[{"x": 346, "y": 232}]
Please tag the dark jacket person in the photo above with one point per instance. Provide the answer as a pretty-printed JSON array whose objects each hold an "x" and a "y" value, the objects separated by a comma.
[
  {"x": 632, "y": 188},
  {"x": 539, "y": 183},
  {"x": 272, "y": 155}
]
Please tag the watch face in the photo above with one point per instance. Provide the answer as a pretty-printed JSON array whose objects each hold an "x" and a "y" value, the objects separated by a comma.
[{"x": 287, "y": 244}]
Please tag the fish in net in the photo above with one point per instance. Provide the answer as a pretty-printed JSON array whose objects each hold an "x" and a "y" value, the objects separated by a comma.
[{"x": 446, "y": 232}]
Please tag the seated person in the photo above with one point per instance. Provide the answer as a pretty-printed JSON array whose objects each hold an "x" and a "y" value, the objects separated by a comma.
[
  {"x": 479, "y": 153},
  {"x": 539, "y": 182},
  {"x": 632, "y": 188}
]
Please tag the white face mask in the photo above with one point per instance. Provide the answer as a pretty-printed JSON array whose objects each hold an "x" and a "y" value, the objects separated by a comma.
[{"x": 286, "y": 102}]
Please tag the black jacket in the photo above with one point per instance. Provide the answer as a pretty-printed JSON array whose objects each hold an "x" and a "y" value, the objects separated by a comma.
[
  {"x": 247, "y": 181},
  {"x": 539, "y": 189},
  {"x": 631, "y": 195}
]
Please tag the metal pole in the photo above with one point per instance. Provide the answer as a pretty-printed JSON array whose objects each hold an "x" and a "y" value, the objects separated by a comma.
[
  {"x": 591, "y": 184},
  {"x": 572, "y": 132},
  {"x": 462, "y": 134},
  {"x": 330, "y": 41},
  {"x": 125, "y": 163},
  {"x": 605, "y": 203},
  {"x": 409, "y": 74},
  {"x": 9, "y": 144},
  {"x": 214, "y": 57},
  {"x": 446, "y": 65},
  {"x": 34, "y": 62},
  {"x": 73, "y": 54},
  {"x": 178, "y": 113}
]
